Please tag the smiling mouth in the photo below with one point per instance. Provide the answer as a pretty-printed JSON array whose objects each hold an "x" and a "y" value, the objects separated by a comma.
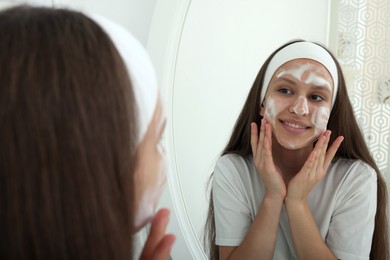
[{"x": 292, "y": 125}]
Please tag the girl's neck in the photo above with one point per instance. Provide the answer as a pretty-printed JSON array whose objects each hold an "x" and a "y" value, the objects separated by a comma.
[{"x": 290, "y": 162}]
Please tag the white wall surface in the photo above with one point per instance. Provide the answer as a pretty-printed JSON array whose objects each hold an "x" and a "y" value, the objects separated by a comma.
[{"x": 135, "y": 15}]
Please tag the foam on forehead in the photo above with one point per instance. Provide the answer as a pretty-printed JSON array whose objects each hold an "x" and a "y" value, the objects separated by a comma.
[
  {"x": 140, "y": 69},
  {"x": 301, "y": 50}
]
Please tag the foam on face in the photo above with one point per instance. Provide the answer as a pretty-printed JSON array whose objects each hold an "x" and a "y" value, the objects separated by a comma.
[
  {"x": 271, "y": 110},
  {"x": 147, "y": 205},
  {"x": 315, "y": 80},
  {"x": 296, "y": 72},
  {"x": 320, "y": 114},
  {"x": 300, "y": 106},
  {"x": 320, "y": 119}
]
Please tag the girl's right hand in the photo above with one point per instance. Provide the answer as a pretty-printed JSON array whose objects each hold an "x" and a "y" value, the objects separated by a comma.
[
  {"x": 158, "y": 244},
  {"x": 262, "y": 157}
]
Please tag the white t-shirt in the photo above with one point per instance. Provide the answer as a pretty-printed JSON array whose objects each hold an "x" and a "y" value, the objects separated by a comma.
[{"x": 343, "y": 205}]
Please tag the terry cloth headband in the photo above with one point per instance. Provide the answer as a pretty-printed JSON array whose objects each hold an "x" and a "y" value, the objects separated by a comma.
[
  {"x": 301, "y": 50},
  {"x": 139, "y": 67}
]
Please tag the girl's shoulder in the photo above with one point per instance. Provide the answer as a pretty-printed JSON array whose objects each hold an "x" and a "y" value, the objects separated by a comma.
[
  {"x": 353, "y": 165},
  {"x": 346, "y": 180},
  {"x": 352, "y": 170},
  {"x": 234, "y": 161},
  {"x": 231, "y": 157},
  {"x": 235, "y": 165}
]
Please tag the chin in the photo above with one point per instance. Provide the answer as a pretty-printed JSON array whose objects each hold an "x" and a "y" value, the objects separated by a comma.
[
  {"x": 290, "y": 144},
  {"x": 296, "y": 141}
]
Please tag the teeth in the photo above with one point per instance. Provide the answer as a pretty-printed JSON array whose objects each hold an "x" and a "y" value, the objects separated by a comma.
[{"x": 294, "y": 125}]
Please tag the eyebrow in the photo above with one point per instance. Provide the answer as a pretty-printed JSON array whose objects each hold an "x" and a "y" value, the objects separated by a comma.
[{"x": 325, "y": 87}]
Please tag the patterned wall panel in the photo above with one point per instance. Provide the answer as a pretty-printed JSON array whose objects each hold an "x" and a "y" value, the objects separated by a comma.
[{"x": 364, "y": 52}]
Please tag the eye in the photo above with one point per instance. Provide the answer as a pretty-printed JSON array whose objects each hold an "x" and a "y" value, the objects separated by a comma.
[
  {"x": 286, "y": 91},
  {"x": 317, "y": 98}
]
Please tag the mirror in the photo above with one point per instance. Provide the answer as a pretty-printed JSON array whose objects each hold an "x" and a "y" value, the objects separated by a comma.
[{"x": 207, "y": 54}]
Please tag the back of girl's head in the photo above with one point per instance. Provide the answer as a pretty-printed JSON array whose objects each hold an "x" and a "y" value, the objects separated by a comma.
[{"x": 67, "y": 138}]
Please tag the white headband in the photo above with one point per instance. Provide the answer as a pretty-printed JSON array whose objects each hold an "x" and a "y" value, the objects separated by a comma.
[
  {"x": 301, "y": 50},
  {"x": 140, "y": 69}
]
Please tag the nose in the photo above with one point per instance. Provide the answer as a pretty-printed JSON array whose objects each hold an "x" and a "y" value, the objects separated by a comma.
[{"x": 300, "y": 106}]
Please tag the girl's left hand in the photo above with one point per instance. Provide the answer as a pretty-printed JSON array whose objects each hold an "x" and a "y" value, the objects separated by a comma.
[{"x": 314, "y": 168}]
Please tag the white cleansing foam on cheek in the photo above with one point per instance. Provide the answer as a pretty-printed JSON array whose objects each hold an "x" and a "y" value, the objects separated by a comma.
[
  {"x": 270, "y": 111},
  {"x": 147, "y": 206},
  {"x": 320, "y": 119},
  {"x": 145, "y": 210},
  {"x": 150, "y": 198}
]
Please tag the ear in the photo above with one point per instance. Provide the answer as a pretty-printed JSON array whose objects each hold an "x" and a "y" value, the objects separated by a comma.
[{"x": 262, "y": 110}]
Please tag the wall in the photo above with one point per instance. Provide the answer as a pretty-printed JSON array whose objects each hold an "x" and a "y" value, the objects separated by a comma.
[{"x": 135, "y": 15}]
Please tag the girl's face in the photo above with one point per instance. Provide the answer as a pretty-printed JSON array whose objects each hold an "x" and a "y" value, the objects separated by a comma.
[
  {"x": 150, "y": 173},
  {"x": 298, "y": 102}
]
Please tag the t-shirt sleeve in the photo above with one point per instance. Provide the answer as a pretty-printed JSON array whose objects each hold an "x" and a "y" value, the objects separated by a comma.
[
  {"x": 231, "y": 210},
  {"x": 352, "y": 224}
]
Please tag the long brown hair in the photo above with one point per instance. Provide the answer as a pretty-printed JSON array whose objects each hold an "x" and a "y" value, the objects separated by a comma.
[
  {"x": 341, "y": 122},
  {"x": 67, "y": 139}
]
